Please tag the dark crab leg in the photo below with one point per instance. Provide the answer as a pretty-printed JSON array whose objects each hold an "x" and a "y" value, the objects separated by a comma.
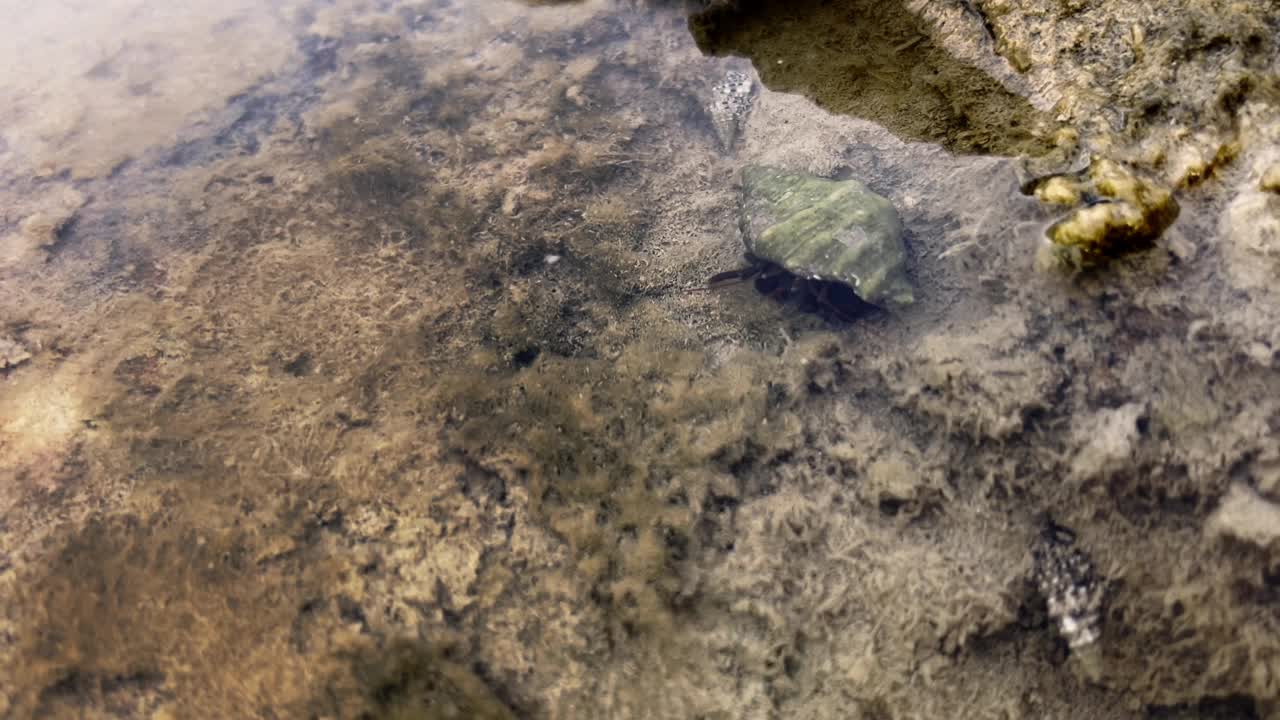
[
  {"x": 824, "y": 299},
  {"x": 733, "y": 277},
  {"x": 824, "y": 302},
  {"x": 784, "y": 291},
  {"x": 809, "y": 293},
  {"x": 774, "y": 282}
]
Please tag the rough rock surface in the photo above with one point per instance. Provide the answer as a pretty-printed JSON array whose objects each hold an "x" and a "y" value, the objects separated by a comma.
[{"x": 372, "y": 373}]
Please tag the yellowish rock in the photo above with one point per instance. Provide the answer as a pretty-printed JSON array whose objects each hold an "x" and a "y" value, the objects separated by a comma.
[
  {"x": 1125, "y": 212},
  {"x": 1058, "y": 190},
  {"x": 1246, "y": 516},
  {"x": 1271, "y": 179},
  {"x": 1194, "y": 159},
  {"x": 1251, "y": 226}
]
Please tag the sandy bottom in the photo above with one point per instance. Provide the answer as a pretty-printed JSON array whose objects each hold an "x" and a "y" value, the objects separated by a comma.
[{"x": 356, "y": 361}]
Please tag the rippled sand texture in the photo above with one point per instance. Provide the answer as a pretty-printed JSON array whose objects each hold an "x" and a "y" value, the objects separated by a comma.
[{"x": 355, "y": 362}]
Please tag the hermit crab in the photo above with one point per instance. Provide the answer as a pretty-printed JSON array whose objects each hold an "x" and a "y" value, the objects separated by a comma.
[{"x": 834, "y": 246}]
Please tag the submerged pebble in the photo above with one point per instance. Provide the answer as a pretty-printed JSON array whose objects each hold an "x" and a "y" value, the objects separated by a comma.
[
  {"x": 1270, "y": 181},
  {"x": 731, "y": 101},
  {"x": 12, "y": 353},
  {"x": 1073, "y": 591}
]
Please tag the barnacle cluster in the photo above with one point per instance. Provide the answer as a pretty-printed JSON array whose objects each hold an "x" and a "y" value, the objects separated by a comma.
[{"x": 1073, "y": 590}]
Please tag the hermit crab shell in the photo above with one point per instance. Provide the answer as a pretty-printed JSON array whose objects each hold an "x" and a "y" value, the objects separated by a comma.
[{"x": 833, "y": 230}]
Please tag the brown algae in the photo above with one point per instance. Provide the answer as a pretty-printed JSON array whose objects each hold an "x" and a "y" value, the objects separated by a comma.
[{"x": 364, "y": 392}]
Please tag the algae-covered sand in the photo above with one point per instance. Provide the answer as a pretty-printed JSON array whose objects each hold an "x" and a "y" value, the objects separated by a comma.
[{"x": 356, "y": 361}]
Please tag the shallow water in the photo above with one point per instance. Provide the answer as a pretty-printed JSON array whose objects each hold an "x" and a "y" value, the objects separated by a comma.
[{"x": 360, "y": 363}]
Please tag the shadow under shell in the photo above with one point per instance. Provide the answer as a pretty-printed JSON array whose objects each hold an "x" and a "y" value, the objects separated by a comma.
[{"x": 833, "y": 301}]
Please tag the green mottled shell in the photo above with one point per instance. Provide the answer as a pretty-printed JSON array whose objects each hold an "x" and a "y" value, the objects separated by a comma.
[{"x": 828, "y": 230}]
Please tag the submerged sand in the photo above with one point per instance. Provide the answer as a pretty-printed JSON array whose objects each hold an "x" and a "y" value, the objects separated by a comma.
[{"x": 356, "y": 362}]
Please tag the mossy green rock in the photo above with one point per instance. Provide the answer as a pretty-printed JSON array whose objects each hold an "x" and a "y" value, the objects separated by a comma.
[{"x": 835, "y": 230}]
